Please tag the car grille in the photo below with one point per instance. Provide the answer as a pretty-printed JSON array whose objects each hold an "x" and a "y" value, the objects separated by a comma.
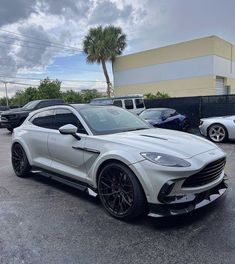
[{"x": 208, "y": 174}]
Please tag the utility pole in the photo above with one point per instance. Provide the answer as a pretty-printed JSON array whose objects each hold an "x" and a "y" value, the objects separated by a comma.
[{"x": 5, "y": 83}]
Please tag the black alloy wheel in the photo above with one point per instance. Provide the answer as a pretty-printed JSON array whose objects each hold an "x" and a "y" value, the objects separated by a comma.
[
  {"x": 120, "y": 192},
  {"x": 186, "y": 125},
  {"x": 19, "y": 160}
]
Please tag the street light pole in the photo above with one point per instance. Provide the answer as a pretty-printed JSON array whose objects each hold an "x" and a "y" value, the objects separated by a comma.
[
  {"x": 6, "y": 92},
  {"x": 5, "y": 83}
]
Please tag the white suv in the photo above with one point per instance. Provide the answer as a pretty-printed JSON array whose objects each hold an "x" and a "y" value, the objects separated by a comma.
[
  {"x": 109, "y": 151},
  {"x": 132, "y": 103}
]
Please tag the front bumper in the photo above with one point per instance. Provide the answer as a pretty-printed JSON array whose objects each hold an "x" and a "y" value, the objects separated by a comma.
[{"x": 188, "y": 202}]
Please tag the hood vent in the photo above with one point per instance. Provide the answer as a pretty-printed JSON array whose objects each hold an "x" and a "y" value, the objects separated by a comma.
[{"x": 154, "y": 137}]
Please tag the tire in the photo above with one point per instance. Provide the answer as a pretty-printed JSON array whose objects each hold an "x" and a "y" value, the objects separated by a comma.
[
  {"x": 186, "y": 125},
  {"x": 20, "y": 161},
  {"x": 217, "y": 133},
  {"x": 120, "y": 192},
  {"x": 10, "y": 129}
]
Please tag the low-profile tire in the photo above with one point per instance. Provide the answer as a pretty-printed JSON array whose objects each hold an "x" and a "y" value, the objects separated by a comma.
[
  {"x": 120, "y": 192},
  {"x": 217, "y": 133},
  {"x": 186, "y": 125},
  {"x": 20, "y": 161}
]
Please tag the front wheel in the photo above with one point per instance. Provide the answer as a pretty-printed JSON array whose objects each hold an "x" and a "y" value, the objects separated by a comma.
[
  {"x": 120, "y": 192},
  {"x": 217, "y": 133},
  {"x": 19, "y": 161}
]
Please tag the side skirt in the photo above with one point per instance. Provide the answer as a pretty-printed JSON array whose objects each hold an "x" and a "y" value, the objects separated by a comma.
[{"x": 82, "y": 186}]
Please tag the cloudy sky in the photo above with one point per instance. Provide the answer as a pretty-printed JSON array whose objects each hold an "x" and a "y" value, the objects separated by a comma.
[{"x": 40, "y": 38}]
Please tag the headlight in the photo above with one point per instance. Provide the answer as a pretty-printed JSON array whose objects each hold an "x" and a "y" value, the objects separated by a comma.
[
  {"x": 165, "y": 160},
  {"x": 201, "y": 122}
]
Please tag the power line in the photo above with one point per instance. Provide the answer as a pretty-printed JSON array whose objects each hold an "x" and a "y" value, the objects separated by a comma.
[
  {"x": 38, "y": 79},
  {"x": 48, "y": 44},
  {"x": 26, "y": 36},
  {"x": 38, "y": 48}
]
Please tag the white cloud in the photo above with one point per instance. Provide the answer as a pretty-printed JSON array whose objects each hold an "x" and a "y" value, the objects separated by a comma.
[{"x": 147, "y": 23}]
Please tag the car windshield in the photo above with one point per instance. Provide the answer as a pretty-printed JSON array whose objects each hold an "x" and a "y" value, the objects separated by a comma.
[
  {"x": 110, "y": 119},
  {"x": 30, "y": 105},
  {"x": 151, "y": 114}
]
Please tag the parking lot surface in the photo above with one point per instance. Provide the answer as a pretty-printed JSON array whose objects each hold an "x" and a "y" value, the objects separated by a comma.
[{"x": 43, "y": 221}]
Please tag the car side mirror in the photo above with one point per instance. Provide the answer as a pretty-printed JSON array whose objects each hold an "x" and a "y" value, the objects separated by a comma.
[
  {"x": 69, "y": 130},
  {"x": 164, "y": 118}
]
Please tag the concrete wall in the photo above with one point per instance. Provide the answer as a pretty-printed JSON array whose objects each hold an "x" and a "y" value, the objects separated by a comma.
[{"x": 185, "y": 69}]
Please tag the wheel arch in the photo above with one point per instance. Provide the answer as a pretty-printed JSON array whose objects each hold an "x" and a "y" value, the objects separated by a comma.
[
  {"x": 108, "y": 161},
  {"x": 217, "y": 123},
  {"x": 25, "y": 148}
]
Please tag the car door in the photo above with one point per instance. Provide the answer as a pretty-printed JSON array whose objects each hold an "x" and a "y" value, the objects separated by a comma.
[
  {"x": 67, "y": 153},
  {"x": 39, "y": 125}
]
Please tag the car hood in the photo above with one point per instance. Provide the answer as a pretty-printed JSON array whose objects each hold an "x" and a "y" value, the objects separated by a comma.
[
  {"x": 232, "y": 117},
  {"x": 166, "y": 141},
  {"x": 16, "y": 111}
]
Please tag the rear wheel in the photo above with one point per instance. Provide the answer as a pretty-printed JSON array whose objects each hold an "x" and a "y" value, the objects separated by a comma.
[
  {"x": 186, "y": 125},
  {"x": 20, "y": 161},
  {"x": 217, "y": 133},
  {"x": 120, "y": 192}
]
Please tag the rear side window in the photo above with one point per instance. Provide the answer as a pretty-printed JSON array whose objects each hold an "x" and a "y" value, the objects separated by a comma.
[
  {"x": 49, "y": 103},
  {"x": 65, "y": 117},
  {"x": 128, "y": 104},
  {"x": 45, "y": 119},
  {"x": 139, "y": 103},
  {"x": 117, "y": 103}
]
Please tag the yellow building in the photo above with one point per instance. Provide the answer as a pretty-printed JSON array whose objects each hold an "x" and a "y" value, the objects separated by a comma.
[{"x": 198, "y": 67}]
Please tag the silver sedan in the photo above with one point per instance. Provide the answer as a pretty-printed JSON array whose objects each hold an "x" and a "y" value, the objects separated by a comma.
[{"x": 218, "y": 129}]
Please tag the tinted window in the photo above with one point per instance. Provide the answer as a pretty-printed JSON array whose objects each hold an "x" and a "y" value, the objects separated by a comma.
[
  {"x": 31, "y": 105},
  {"x": 168, "y": 113},
  {"x": 117, "y": 103},
  {"x": 107, "y": 120},
  {"x": 65, "y": 117},
  {"x": 49, "y": 103},
  {"x": 139, "y": 103},
  {"x": 128, "y": 104},
  {"x": 44, "y": 119},
  {"x": 151, "y": 114}
]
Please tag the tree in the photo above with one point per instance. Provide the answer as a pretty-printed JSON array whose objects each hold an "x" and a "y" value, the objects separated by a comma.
[
  {"x": 102, "y": 45},
  {"x": 158, "y": 95},
  {"x": 49, "y": 89}
]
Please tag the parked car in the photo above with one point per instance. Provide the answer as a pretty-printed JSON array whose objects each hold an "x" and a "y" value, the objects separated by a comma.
[
  {"x": 132, "y": 103},
  {"x": 111, "y": 152},
  {"x": 166, "y": 118},
  {"x": 218, "y": 129},
  {"x": 2, "y": 109},
  {"x": 15, "y": 117}
]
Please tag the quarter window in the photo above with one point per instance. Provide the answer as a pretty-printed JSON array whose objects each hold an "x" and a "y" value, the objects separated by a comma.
[
  {"x": 44, "y": 119},
  {"x": 128, "y": 104}
]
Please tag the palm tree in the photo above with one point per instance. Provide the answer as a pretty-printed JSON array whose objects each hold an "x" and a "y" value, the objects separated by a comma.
[{"x": 102, "y": 45}]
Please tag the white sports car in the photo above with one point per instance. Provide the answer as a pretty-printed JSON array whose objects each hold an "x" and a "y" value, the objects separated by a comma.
[
  {"x": 218, "y": 129},
  {"x": 108, "y": 151}
]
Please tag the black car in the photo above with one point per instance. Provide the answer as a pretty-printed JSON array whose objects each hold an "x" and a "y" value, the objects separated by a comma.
[
  {"x": 15, "y": 117},
  {"x": 2, "y": 109},
  {"x": 166, "y": 118}
]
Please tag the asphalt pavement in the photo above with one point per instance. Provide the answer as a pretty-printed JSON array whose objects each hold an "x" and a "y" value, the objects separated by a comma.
[{"x": 42, "y": 221}]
